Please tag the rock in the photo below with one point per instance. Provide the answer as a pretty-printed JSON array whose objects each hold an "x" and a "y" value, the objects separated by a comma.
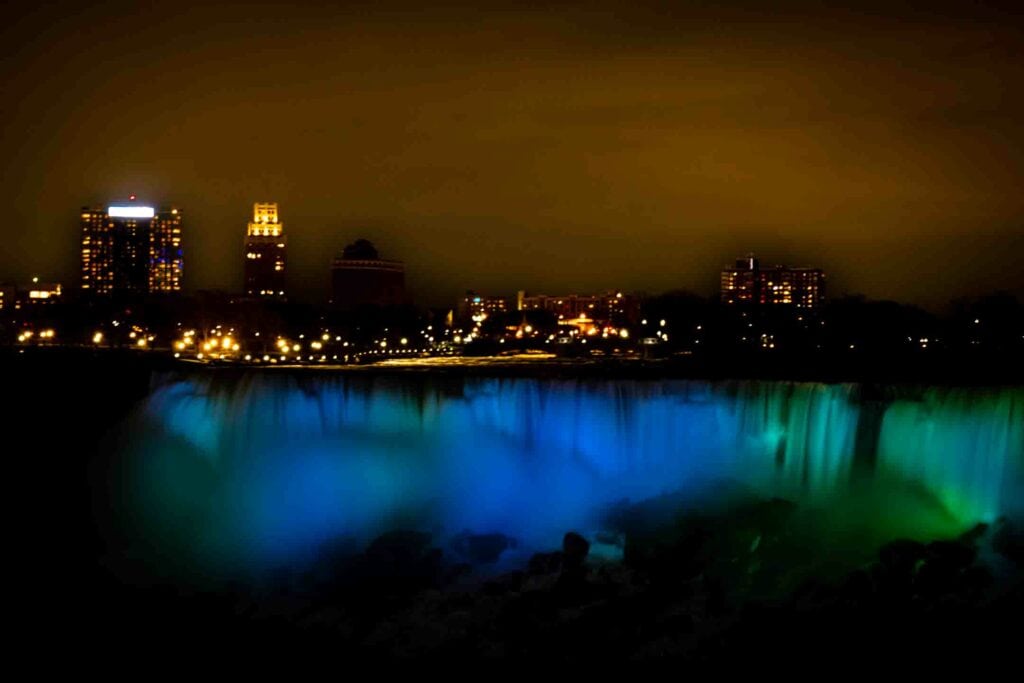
[
  {"x": 899, "y": 562},
  {"x": 715, "y": 603},
  {"x": 482, "y": 548},
  {"x": 572, "y": 587},
  {"x": 857, "y": 589},
  {"x": 943, "y": 566},
  {"x": 457, "y": 572},
  {"x": 545, "y": 563},
  {"x": 975, "y": 582},
  {"x": 901, "y": 556},
  {"x": 935, "y": 579},
  {"x": 1008, "y": 541},
  {"x": 574, "y": 549},
  {"x": 672, "y": 554},
  {"x": 811, "y": 591},
  {"x": 399, "y": 561},
  {"x": 974, "y": 534},
  {"x": 399, "y": 546},
  {"x": 506, "y": 583},
  {"x": 954, "y": 554},
  {"x": 678, "y": 623}
]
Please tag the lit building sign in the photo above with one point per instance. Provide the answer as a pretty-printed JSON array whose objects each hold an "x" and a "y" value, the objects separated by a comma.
[{"x": 131, "y": 212}]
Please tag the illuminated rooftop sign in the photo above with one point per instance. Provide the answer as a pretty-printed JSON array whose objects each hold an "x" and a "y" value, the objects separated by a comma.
[{"x": 131, "y": 212}]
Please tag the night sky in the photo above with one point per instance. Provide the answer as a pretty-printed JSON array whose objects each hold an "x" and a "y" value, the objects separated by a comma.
[{"x": 573, "y": 148}]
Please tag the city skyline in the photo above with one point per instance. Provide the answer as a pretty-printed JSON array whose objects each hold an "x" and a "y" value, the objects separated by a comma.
[
  {"x": 567, "y": 148},
  {"x": 264, "y": 216}
]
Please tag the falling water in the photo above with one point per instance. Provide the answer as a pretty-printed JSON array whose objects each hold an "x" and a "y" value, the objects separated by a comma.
[{"x": 266, "y": 468}]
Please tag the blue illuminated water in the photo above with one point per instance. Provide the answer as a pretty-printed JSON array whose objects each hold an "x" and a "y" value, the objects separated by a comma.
[{"x": 266, "y": 468}]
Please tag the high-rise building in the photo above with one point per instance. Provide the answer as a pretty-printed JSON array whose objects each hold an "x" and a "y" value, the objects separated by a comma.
[
  {"x": 739, "y": 284},
  {"x": 748, "y": 283},
  {"x": 266, "y": 252},
  {"x": 166, "y": 264},
  {"x": 359, "y": 277},
  {"x": 131, "y": 248}
]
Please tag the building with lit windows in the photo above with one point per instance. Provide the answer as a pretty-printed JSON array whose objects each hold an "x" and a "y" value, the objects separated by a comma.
[
  {"x": 36, "y": 293},
  {"x": 40, "y": 292},
  {"x": 475, "y": 306},
  {"x": 359, "y": 277},
  {"x": 165, "y": 261},
  {"x": 7, "y": 298},
  {"x": 266, "y": 252},
  {"x": 747, "y": 283},
  {"x": 612, "y": 307},
  {"x": 130, "y": 248}
]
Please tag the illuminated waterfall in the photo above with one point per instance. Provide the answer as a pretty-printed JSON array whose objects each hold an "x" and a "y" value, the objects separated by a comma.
[
  {"x": 270, "y": 466},
  {"x": 962, "y": 445}
]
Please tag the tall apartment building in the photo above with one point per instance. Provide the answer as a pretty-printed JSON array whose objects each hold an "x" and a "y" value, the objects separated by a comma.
[{"x": 748, "y": 283}]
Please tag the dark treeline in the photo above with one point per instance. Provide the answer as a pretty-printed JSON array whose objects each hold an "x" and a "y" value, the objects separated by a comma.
[{"x": 993, "y": 323}]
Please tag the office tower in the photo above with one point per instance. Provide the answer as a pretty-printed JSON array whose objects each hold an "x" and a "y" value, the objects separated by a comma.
[{"x": 266, "y": 252}]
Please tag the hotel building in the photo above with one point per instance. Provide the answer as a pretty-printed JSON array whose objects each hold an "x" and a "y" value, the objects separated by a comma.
[{"x": 131, "y": 248}]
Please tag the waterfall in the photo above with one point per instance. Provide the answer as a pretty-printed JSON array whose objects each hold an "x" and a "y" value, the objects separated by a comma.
[
  {"x": 272, "y": 465},
  {"x": 962, "y": 445}
]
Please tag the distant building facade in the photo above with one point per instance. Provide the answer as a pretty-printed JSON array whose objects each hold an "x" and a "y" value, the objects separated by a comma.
[
  {"x": 266, "y": 252},
  {"x": 747, "y": 283},
  {"x": 40, "y": 293},
  {"x": 131, "y": 248},
  {"x": 474, "y": 306},
  {"x": 359, "y": 277},
  {"x": 35, "y": 293},
  {"x": 611, "y": 307},
  {"x": 8, "y": 301}
]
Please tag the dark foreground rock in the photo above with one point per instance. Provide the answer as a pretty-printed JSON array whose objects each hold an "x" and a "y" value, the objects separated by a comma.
[
  {"x": 739, "y": 586},
  {"x": 1009, "y": 541},
  {"x": 481, "y": 548}
]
